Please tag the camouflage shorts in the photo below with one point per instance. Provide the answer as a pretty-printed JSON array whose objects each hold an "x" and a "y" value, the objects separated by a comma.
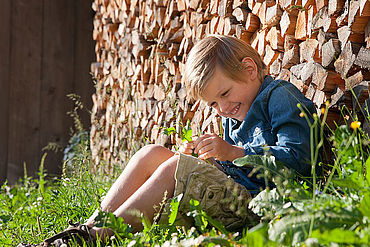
[{"x": 219, "y": 196}]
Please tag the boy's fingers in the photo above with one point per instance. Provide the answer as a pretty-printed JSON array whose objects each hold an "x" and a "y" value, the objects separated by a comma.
[
  {"x": 207, "y": 155},
  {"x": 206, "y": 140},
  {"x": 185, "y": 149},
  {"x": 189, "y": 145},
  {"x": 205, "y": 149},
  {"x": 198, "y": 140}
]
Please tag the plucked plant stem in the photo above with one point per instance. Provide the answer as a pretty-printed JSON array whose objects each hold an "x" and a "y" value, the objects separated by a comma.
[
  {"x": 315, "y": 147},
  {"x": 336, "y": 163}
]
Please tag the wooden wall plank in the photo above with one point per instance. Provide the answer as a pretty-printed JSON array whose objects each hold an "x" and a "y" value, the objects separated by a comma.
[
  {"x": 57, "y": 78},
  {"x": 84, "y": 56},
  {"x": 25, "y": 82},
  {"x": 5, "y": 11}
]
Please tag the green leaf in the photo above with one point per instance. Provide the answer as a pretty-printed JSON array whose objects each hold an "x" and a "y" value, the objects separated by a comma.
[
  {"x": 175, "y": 202},
  {"x": 213, "y": 241},
  {"x": 169, "y": 131},
  {"x": 197, "y": 213},
  {"x": 111, "y": 221},
  {"x": 266, "y": 200},
  {"x": 367, "y": 177},
  {"x": 217, "y": 224},
  {"x": 364, "y": 206},
  {"x": 338, "y": 235},
  {"x": 258, "y": 236},
  {"x": 187, "y": 133},
  {"x": 202, "y": 219},
  {"x": 347, "y": 183},
  {"x": 267, "y": 162},
  {"x": 289, "y": 228}
]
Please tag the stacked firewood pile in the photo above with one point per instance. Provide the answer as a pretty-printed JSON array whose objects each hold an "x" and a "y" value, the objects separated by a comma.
[{"x": 321, "y": 46}]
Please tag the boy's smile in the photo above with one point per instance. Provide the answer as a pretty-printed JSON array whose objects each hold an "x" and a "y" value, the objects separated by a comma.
[{"x": 229, "y": 97}]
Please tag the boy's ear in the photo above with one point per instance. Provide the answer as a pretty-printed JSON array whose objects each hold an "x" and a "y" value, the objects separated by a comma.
[{"x": 250, "y": 66}]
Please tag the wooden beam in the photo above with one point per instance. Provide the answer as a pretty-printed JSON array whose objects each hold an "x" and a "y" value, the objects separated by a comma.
[
  {"x": 84, "y": 55},
  {"x": 57, "y": 77},
  {"x": 5, "y": 44},
  {"x": 25, "y": 84}
]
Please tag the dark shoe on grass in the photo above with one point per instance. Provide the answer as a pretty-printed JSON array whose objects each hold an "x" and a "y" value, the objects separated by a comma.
[{"x": 75, "y": 235}]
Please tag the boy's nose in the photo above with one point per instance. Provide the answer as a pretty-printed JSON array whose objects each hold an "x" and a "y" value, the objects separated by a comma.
[{"x": 223, "y": 107}]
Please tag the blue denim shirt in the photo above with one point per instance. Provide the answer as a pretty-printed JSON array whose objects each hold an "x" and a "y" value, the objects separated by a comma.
[{"x": 272, "y": 121}]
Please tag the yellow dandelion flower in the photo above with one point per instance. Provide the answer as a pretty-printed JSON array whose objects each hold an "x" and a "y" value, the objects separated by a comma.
[
  {"x": 322, "y": 110},
  {"x": 355, "y": 125}
]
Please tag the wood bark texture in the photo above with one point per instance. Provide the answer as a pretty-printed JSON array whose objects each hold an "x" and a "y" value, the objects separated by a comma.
[{"x": 322, "y": 47}]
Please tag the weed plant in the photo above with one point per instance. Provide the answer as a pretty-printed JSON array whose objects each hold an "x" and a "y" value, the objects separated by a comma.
[
  {"x": 35, "y": 208},
  {"x": 329, "y": 209}
]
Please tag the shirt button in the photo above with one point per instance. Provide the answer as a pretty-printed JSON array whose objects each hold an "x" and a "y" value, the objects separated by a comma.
[{"x": 211, "y": 195}]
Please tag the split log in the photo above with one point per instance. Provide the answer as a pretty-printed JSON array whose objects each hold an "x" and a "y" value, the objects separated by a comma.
[
  {"x": 252, "y": 23},
  {"x": 321, "y": 46},
  {"x": 275, "y": 39},
  {"x": 346, "y": 59},
  {"x": 270, "y": 55},
  {"x": 330, "y": 50},
  {"x": 367, "y": 35},
  {"x": 334, "y": 7},
  {"x": 301, "y": 26},
  {"x": 309, "y": 50},
  {"x": 323, "y": 20},
  {"x": 273, "y": 15},
  {"x": 363, "y": 58},
  {"x": 345, "y": 34},
  {"x": 288, "y": 23},
  {"x": 240, "y": 14},
  {"x": 291, "y": 57},
  {"x": 275, "y": 67}
]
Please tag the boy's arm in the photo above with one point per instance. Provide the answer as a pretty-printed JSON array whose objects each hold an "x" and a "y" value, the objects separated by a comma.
[
  {"x": 292, "y": 132},
  {"x": 212, "y": 146}
]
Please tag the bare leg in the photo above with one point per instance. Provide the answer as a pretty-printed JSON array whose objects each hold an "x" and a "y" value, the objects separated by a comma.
[
  {"x": 132, "y": 183},
  {"x": 149, "y": 194}
]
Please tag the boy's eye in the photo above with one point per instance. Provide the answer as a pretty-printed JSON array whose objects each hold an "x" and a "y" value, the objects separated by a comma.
[
  {"x": 225, "y": 93},
  {"x": 213, "y": 104}
]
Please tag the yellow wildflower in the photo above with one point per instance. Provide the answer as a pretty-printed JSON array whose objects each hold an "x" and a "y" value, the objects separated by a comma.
[
  {"x": 301, "y": 114},
  {"x": 355, "y": 125},
  {"x": 322, "y": 110}
]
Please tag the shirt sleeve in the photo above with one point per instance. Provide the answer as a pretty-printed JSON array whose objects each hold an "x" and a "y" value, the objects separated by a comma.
[{"x": 292, "y": 132}]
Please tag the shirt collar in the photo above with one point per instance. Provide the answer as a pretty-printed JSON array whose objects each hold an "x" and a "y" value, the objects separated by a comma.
[{"x": 267, "y": 80}]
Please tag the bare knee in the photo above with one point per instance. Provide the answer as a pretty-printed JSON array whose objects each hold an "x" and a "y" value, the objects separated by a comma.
[
  {"x": 148, "y": 158},
  {"x": 154, "y": 152},
  {"x": 168, "y": 168}
]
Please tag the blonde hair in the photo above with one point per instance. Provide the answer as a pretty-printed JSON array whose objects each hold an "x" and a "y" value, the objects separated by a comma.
[{"x": 218, "y": 50}]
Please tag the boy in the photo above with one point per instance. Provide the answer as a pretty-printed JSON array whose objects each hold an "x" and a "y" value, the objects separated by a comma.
[{"x": 257, "y": 113}]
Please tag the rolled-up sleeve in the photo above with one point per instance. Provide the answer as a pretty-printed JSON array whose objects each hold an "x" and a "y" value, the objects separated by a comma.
[
  {"x": 292, "y": 131},
  {"x": 273, "y": 124}
]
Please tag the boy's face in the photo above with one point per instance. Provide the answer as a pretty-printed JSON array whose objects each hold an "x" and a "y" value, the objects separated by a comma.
[{"x": 231, "y": 98}]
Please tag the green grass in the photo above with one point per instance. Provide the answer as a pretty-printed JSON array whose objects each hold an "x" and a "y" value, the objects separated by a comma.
[
  {"x": 331, "y": 210},
  {"x": 36, "y": 208}
]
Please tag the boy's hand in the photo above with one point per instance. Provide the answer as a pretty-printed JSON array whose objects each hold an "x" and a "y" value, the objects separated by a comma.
[
  {"x": 213, "y": 146},
  {"x": 187, "y": 148}
]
